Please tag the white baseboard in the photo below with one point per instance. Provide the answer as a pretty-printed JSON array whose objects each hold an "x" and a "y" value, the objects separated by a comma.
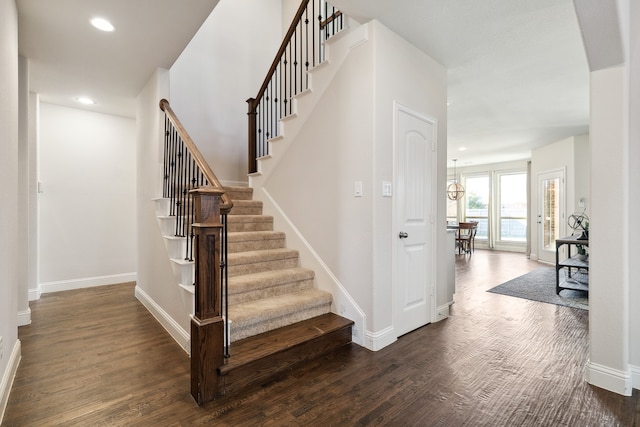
[
  {"x": 24, "y": 317},
  {"x": 175, "y": 330},
  {"x": 67, "y": 285},
  {"x": 378, "y": 340},
  {"x": 609, "y": 379},
  {"x": 8, "y": 376},
  {"x": 635, "y": 376},
  {"x": 442, "y": 312},
  {"x": 34, "y": 294}
]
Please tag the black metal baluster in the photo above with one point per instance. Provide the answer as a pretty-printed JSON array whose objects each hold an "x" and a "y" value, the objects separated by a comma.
[
  {"x": 292, "y": 73},
  {"x": 188, "y": 206},
  {"x": 306, "y": 40},
  {"x": 224, "y": 282},
  {"x": 320, "y": 56},
  {"x": 165, "y": 176},
  {"x": 313, "y": 32},
  {"x": 172, "y": 180},
  {"x": 295, "y": 63},
  {"x": 282, "y": 86},
  {"x": 270, "y": 107}
]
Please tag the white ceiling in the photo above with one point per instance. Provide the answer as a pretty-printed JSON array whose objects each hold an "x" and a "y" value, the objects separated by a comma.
[
  {"x": 69, "y": 58},
  {"x": 517, "y": 71}
]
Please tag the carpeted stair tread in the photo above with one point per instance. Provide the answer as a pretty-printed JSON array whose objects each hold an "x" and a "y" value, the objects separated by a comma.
[
  {"x": 246, "y": 207},
  {"x": 255, "y": 240},
  {"x": 244, "y": 236},
  {"x": 249, "y": 287},
  {"x": 262, "y": 260},
  {"x": 255, "y": 317},
  {"x": 238, "y": 223},
  {"x": 239, "y": 193},
  {"x": 250, "y": 257}
]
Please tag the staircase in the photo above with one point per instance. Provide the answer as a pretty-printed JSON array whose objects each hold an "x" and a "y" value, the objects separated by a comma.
[
  {"x": 246, "y": 285},
  {"x": 277, "y": 318},
  {"x": 267, "y": 288}
]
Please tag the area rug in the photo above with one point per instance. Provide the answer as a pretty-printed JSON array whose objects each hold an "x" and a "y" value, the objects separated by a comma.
[{"x": 540, "y": 285}]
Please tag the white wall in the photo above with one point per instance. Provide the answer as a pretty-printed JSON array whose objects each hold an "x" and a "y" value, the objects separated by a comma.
[
  {"x": 347, "y": 138},
  {"x": 405, "y": 75},
  {"x": 156, "y": 287},
  {"x": 614, "y": 139},
  {"x": 87, "y": 204},
  {"x": 25, "y": 217},
  {"x": 9, "y": 343},
  {"x": 571, "y": 155},
  {"x": 223, "y": 65},
  {"x": 634, "y": 194}
]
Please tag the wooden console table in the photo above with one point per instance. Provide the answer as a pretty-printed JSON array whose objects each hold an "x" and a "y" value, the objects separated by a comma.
[{"x": 570, "y": 263}]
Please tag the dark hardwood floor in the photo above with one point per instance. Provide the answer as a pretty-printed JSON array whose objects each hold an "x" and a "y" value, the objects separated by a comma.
[{"x": 96, "y": 357}]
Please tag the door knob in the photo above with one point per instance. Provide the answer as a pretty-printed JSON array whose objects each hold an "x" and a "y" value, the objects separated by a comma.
[{"x": 403, "y": 235}]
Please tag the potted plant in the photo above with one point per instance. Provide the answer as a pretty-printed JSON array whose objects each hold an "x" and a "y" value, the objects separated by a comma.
[{"x": 582, "y": 252}]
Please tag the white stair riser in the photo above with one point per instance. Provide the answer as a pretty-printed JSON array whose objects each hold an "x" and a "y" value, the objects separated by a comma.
[
  {"x": 184, "y": 271},
  {"x": 176, "y": 246}
]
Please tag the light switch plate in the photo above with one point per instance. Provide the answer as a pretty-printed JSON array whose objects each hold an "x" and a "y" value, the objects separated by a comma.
[
  {"x": 357, "y": 189},
  {"x": 387, "y": 189}
]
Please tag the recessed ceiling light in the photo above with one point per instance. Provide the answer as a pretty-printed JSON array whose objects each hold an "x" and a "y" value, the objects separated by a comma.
[
  {"x": 462, "y": 149},
  {"x": 85, "y": 101},
  {"x": 102, "y": 24}
]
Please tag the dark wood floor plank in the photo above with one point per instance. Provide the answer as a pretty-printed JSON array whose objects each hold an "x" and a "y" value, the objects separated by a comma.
[{"x": 497, "y": 361}]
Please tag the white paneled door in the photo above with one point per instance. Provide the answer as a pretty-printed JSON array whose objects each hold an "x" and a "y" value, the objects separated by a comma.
[{"x": 415, "y": 142}]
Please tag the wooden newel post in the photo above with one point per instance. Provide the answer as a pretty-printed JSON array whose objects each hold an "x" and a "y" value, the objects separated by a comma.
[
  {"x": 252, "y": 114},
  {"x": 207, "y": 325}
]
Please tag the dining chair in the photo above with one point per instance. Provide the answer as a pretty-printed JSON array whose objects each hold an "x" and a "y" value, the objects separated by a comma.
[{"x": 466, "y": 236}]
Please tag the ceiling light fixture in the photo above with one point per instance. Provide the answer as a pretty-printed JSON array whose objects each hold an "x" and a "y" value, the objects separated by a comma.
[
  {"x": 85, "y": 101},
  {"x": 102, "y": 24},
  {"x": 455, "y": 191}
]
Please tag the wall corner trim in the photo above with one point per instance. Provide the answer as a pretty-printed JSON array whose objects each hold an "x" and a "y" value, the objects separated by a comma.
[
  {"x": 378, "y": 340},
  {"x": 635, "y": 376},
  {"x": 609, "y": 379},
  {"x": 8, "y": 376},
  {"x": 24, "y": 317}
]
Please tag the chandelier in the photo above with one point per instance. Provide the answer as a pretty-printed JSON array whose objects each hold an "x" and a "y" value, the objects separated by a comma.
[{"x": 455, "y": 190}]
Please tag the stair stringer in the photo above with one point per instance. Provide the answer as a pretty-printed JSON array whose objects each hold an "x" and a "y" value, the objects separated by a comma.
[
  {"x": 338, "y": 49},
  {"x": 183, "y": 270},
  {"x": 343, "y": 303}
]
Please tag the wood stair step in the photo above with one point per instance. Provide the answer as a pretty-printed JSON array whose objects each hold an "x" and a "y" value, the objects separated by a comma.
[
  {"x": 249, "y": 287},
  {"x": 259, "y": 358}
]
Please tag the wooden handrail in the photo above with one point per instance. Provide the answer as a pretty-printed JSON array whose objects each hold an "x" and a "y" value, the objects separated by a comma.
[
  {"x": 227, "y": 204},
  {"x": 330, "y": 19}
]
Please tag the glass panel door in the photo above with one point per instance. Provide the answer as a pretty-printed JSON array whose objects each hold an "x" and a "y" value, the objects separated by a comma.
[{"x": 551, "y": 213}]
